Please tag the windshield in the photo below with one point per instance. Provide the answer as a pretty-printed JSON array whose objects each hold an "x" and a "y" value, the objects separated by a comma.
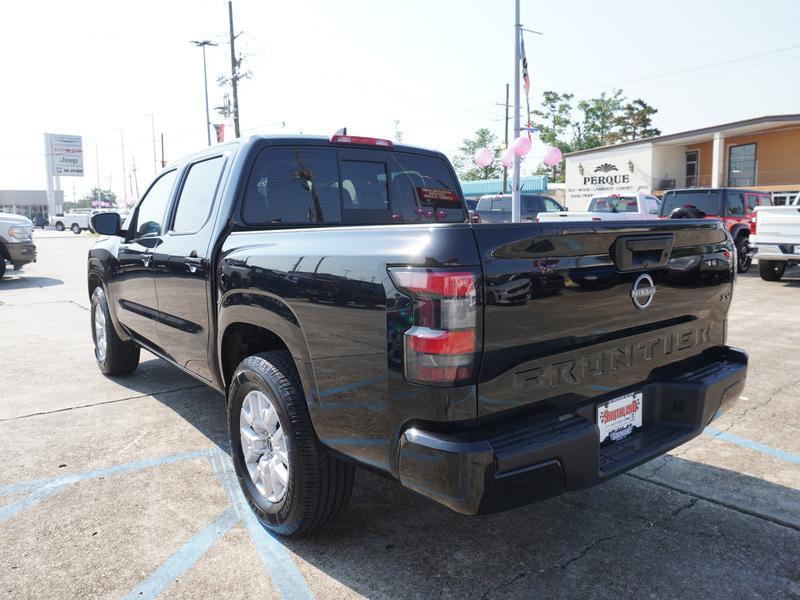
[
  {"x": 707, "y": 202},
  {"x": 613, "y": 204}
]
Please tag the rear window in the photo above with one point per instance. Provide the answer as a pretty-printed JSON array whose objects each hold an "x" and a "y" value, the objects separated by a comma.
[
  {"x": 709, "y": 202},
  {"x": 614, "y": 204},
  {"x": 310, "y": 185}
]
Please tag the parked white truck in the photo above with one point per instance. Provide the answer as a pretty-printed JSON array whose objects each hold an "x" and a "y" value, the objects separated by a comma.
[
  {"x": 74, "y": 221},
  {"x": 775, "y": 238},
  {"x": 611, "y": 207}
]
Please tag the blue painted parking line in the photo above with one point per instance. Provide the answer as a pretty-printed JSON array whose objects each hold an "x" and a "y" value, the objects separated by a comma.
[
  {"x": 185, "y": 558},
  {"x": 280, "y": 565},
  {"x": 62, "y": 480},
  {"x": 32, "y": 499},
  {"x": 758, "y": 447}
]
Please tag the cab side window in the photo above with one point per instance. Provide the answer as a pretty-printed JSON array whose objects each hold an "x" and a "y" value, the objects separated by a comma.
[
  {"x": 752, "y": 202},
  {"x": 551, "y": 205},
  {"x": 149, "y": 218}
]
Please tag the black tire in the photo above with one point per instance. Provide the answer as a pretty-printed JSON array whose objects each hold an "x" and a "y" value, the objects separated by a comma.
[
  {"x": 76, "y": 229},
  {"x": 59, "y": 226},
  {"x": 742, "y": 249},
  {"x": 320, "y": 485},
  {"x": 2, "y": 266},
  {"x": 771, "y": 270},
  {"x": 121, "y": 357}
]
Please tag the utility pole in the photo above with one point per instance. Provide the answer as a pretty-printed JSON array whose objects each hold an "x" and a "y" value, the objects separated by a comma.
[
  {"x": 398, "y": 135},
  {"x": 163, "y": 163},
  {"x": 124, "y": 170},
  {"x": 202, "y": 44},
  {"x": 135, "y": 177},
  {"x": 153, "y": 132},
  {"x": 234, "y": 72},
  {"x": 505, "y": 169},
  {"x": 97, "y": 168},
  {"x": 516, "y": 213}
]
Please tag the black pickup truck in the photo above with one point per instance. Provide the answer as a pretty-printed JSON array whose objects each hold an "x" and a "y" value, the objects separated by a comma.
[{"x": 336, "y": 293}]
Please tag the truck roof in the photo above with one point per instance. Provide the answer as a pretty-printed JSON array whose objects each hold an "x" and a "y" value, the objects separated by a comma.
[{"x": 308, "y": 140}]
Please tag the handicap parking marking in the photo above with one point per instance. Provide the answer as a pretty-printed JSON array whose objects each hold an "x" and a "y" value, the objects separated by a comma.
[
  {"x": 280, "y": 565},
  {"x": 32, "y": 499},
  {"x": 185, "y": 557}
]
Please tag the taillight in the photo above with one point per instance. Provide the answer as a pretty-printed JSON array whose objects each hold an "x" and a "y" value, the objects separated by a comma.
[
  {"x": 441, "y": 347},
  {"x": 753, "y": 224}
]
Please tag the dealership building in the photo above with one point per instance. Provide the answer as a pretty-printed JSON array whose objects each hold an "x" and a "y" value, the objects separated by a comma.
[
  {"x": 761, "y": 153},
  {"x": 28, "y": 203}
]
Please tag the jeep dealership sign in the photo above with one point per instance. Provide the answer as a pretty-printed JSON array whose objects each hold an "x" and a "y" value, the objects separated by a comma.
[
  {"x": 609, "y": 171},
  {"x": 64, "y": 154}
]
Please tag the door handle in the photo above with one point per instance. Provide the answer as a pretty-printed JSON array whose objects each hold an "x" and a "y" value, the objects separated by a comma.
[{"x": 193, "y": 261}]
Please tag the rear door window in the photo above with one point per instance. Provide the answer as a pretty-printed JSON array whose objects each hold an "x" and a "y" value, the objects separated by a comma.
[
  {"x": 735, "y": 204},
  {"x": 293, "y": 186},
  {"x": 196, "y": 196},
  {"x": 533, "y": 204}
]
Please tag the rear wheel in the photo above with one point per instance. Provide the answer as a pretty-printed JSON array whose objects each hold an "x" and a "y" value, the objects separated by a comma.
[
  {"x": 291, "y": 481},
  {"x": 742, "y": 251},
  {"x": 114, "y": 356},
  {"x": 76, "y": 229},
  {"x": 2, "y": 266},
  {"x": 771, "y": 270}
]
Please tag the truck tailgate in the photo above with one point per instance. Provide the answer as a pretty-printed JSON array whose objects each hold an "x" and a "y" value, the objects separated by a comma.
[
  {"x": 778, "y": 225},
  {"x": 575, "y": 311}
]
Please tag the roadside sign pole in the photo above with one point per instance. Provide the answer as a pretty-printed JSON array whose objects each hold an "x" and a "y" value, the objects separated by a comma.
[
  {"x": 516, "y": 213},
  {"x": 51, "y": 194}
]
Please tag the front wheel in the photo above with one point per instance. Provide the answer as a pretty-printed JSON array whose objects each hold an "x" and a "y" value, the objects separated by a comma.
[
  {"x": 291, "y": 481},
  {"x": 76, "y": 229},
  {"x": 114, "y": 356},
  {"x": 59, "y": 226},
  {"x": 2, "y": 266},
  {"x": 742, "y": 250},
  {"x": 771, "y": 270}
]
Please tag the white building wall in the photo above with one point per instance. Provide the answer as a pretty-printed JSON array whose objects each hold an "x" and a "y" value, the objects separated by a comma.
[
  {"x": 627, "y": 169},
  {"x": 669, "y": 162}
]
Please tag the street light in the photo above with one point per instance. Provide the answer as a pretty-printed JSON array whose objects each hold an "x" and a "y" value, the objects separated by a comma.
[{"x": 202, "y": 44}]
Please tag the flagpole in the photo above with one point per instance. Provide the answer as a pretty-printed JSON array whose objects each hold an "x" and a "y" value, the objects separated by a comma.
[{"x": 516, "y": 213}]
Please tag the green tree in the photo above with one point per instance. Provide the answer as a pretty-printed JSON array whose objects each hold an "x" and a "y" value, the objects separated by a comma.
[
  {"x": 634, "y": 122},
  {"x": 104, "y": 196},
  {"x": 596, "y": 127},
  {"x": 467, "y": 170},
  {"x": 553, "y": 120}
]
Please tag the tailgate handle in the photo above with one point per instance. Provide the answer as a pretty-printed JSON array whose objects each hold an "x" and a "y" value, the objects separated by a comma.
[{"x": 642, "y": 252}]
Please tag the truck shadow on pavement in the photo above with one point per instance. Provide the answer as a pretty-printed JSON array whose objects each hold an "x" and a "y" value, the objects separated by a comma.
[
  {"x": 13, "y": 281},
  {"x": 672, "y": 528}
]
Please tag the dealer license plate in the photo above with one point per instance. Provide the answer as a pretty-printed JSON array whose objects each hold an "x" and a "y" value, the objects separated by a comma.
[{"x": 618, "y": 418}]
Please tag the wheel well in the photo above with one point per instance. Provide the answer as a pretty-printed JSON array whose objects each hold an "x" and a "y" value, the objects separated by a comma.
[
  {"x": 4, "y": 253},
  {"x": 94, "y": 282},
  {"x": 241, "y": 340}
]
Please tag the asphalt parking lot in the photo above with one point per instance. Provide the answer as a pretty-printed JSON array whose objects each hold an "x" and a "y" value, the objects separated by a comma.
[{"x": 113, "y": 488}]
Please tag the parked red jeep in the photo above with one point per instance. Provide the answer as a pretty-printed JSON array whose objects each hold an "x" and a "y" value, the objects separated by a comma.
[{"x": 734, "y": 206}]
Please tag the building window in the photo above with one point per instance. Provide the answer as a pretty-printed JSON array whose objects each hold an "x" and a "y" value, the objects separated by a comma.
[
  {"x": 692, "y": 164},
  {"x": 742, "y": 165}
]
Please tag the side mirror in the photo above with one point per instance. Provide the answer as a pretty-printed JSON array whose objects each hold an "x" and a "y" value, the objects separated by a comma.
[
  {"x": 566, "y": 208},
  {"x": 107, "y": 223}
]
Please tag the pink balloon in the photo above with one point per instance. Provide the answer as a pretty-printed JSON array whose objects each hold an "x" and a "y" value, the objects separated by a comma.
[
  {"x": 553, "y": 156},
  {"x": 483, "y": 157},
  {"x": 507, "y": 157},
  {"x": 521, "y": 145}
]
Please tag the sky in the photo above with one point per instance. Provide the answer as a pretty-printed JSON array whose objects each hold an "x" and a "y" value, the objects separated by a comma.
[{"x": 99, "y": 68}]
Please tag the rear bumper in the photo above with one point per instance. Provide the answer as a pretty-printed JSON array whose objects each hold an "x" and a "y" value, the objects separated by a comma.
[
  {"x": 21, "y": 253},
  {"x": 535, "y": 457},
  {"x": 785, "y": 252}
]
